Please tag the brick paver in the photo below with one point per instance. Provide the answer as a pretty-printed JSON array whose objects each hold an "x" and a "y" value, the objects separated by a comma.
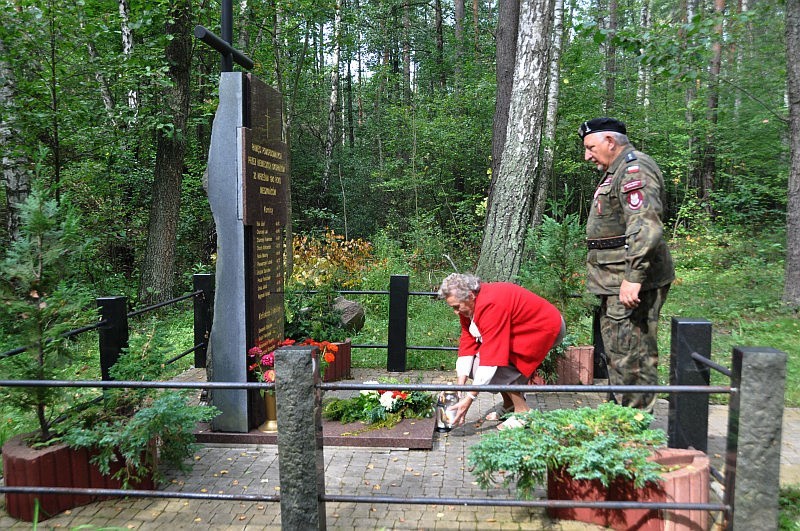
[{"x": 440, "y": 472}]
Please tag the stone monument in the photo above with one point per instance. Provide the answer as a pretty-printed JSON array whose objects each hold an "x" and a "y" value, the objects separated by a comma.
[{"x": 247, "y": 183}]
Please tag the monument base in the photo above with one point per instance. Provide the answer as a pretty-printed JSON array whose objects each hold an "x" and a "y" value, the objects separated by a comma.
[{"x": 414, "y": 434}]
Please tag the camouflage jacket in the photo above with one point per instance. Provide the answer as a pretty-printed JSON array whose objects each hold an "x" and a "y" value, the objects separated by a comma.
[{"x": 628, "y": 202}]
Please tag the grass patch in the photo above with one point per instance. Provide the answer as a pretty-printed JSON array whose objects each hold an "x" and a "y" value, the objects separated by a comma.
[{"x": 789, "y": 504}]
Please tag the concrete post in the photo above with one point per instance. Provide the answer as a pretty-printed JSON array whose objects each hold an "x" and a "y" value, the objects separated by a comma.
[
  {"x": 300, "y": 449},
  {"x": 688, "y": 412},
  {"x": 755, "y": 418}
]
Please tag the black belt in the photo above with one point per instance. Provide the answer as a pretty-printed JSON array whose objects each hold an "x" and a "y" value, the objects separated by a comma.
[{"x": 606, "y": 243}]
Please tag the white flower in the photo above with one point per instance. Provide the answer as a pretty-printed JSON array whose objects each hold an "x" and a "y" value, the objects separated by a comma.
[
  {"x": 387, "y": 401},
  {"x": 370, "y": 392}
]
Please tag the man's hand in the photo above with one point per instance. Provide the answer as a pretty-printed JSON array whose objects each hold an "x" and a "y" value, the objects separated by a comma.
[{"x": 629, "y": 294}]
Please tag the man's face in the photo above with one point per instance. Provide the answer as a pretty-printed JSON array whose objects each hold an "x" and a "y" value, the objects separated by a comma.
[
  {"x": 465, "y": 308},
  {"x": 599, "y": 149}
]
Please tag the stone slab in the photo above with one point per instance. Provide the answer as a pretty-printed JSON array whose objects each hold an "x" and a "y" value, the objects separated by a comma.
[{"x": 413, "y": 434}]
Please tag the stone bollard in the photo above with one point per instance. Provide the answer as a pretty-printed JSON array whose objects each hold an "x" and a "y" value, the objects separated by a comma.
[
  {"x": 300, "y": 450},
  {"x": 755, "y": 423}
]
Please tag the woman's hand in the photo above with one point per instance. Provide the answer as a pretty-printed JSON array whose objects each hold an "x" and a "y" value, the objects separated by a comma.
[{"x": 461, "y": 409}]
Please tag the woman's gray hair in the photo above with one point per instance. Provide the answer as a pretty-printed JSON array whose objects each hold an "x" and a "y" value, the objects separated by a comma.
[{"x": 459, "y": 285}]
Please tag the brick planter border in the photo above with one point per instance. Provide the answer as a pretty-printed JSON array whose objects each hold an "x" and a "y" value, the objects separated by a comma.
[
  {"x": 688, "y": 483},
  {"x": 54, "y": 466}
]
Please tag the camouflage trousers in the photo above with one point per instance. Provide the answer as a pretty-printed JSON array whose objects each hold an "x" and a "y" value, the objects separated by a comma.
[{"x": 631, "y": 344}]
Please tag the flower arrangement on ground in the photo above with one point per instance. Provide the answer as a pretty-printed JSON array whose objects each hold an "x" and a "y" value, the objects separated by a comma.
[
  {"x": 380, "y": 408},
  {"x": 262, "y": 364}
]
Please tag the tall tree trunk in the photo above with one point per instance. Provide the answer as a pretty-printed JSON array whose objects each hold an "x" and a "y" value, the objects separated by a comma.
[
  {"x": 127, "y": 48},
  {"x": 334, "y": 99},
  {"x": 439, "y": 44},
  {"x": 15, "y": 177},
  {"x": 55, "y": 94},
  {"x": 476, "y": 24},
  {"x": 643, "y": 90},
  {"x": 158, "y": 268},
  {"x": 506, "y": 37},
  {"x": 710, "y": 151},
  {"x": 791, "y": 287},
  {"x": 689, "y": 8},
  {"x": 552, "y": 114},
  {"x": 611, "y": 58},
  {"x": 509, "y": 207},
  {"x": 459, "y": 11},
  {"x": 407, "y": 52}
]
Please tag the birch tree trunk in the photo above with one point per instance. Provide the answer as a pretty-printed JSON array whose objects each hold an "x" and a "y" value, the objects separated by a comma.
[
  {"x": 611, "y": 58},
  {"x": 554, "y": 78},
  {"x": 158, "y": 267},
  {"x": 334, "y": 99},
  {"x": 16, "y": 180},
  {"x": 509, "y": 207},
  {"x": 127, "y": 48},
  {"x": 791, "y": 289}
]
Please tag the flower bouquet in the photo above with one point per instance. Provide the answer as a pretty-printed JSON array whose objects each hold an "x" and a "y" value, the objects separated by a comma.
[
  {"x": 262, "y": 364},
  {"x": 381, "y": 408}
]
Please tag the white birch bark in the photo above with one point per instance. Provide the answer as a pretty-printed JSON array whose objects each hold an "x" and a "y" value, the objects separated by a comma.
[
  {"x": 509, "y": 208},
  {"x": 127, "y": 48},
  {"x": 331, "y": 136},
  {"x": 16, "y": 180},
  {"x": 554, "y": 79}
]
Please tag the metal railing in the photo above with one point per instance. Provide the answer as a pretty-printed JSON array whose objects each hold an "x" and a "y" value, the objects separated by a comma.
[{"x": 756, "y": 406}]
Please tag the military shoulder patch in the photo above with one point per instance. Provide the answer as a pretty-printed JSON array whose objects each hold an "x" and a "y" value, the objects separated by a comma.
[
  {"x": 635, "y": 199},
  {"x": 632, "y": 185},
  {"x": 632, "y": 169},
  {"x": 630, "y": 157}
]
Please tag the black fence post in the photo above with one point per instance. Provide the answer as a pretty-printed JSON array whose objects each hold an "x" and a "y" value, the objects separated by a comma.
[
  {"x": 755, "y": 426},
  {"x": 688, "y": 412},
  {"x": 114, "y": 334},
  {"x": 203, "y": 316},
  {"x": 398, "y": 323}
]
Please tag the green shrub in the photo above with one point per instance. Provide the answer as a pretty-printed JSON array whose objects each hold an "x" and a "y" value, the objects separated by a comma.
[{"x": 603, "y": 443}]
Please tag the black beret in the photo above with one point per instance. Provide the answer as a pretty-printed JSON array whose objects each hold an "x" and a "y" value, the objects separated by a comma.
[{"x": 601, "y": 124}]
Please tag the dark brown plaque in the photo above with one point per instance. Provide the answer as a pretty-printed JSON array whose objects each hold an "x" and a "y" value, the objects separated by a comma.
[{"x": 265, "y": 178}]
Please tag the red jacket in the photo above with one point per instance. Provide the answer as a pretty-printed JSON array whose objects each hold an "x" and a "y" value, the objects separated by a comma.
[{"x": 517, "y": 327}]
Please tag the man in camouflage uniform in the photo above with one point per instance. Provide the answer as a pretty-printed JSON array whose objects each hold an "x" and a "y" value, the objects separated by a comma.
[{"x": 629, "y": 264}]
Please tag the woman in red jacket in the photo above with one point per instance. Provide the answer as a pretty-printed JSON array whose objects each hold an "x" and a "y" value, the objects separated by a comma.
[{"x": 506, "y": 331}]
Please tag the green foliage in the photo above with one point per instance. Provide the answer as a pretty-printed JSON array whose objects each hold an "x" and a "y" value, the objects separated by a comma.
[
  {"x": 557, "y": 268},
  {"x": 312, "y": 315},
  {"x": 137, "y": 428},
  {"x": 789, "y": 501},
  {"x": 161, "y": 432},
  {"x": 38, "y": 304},
  {"x": 605, "y": 443},
  {"x": 382, "y": 408}
]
